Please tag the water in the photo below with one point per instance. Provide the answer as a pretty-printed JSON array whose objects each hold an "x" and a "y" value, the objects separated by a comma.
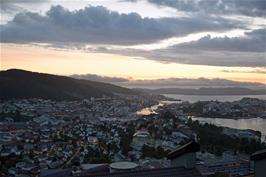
[
  {"x": 258, "y": 124},
  {"x": 152, "y": 109},
  {"x": 222, "y": 98},
  {"x": 149, "y": 110}
]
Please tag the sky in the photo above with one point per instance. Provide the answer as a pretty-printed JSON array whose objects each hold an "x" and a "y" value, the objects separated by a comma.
[{"x": 137, "y": 39}]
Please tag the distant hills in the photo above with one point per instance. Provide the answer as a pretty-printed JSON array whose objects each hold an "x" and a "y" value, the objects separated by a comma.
[
  {"x": 172, "y": 82},
  {"x": 16, "y": 83},
  {"x": 205, "y": 91}
]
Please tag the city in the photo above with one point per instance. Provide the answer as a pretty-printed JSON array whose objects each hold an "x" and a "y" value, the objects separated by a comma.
[
  {"x": 44, "y": 137},
  {"x": 132, "y": 88}
]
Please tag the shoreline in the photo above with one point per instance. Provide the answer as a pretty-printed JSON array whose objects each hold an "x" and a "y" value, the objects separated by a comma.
[{"x": 234, "y": 118}]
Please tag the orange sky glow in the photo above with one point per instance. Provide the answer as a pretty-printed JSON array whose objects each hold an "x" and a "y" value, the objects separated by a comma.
[{"x": 77, "y": 62}]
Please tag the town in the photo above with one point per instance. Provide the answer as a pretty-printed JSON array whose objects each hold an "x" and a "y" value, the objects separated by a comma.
[{"x": 44, "y": 137}]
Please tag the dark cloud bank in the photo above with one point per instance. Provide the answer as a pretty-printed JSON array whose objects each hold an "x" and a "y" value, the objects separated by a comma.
[
  {"x": 253, "y": 8},
  {"x": 62, "y": 28},
  {"x": 98, "y": 25},
  {"x": 245, "y": 51}
]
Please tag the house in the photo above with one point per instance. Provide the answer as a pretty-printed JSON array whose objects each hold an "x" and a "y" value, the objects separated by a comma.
[
  {"x": 211, "y": 107},
  {"x": 259, "y": 159},
  {"x": 140, "y": 138},
  {"x": 184, "y": 156}
]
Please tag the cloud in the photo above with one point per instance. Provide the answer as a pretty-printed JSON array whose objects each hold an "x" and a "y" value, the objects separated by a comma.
[
  {"x": 94, "y": 77},
  {"x": 8, "y": 7},
  {"x": 11, "y": 6},
  {"x": 244, "y": 51},
  {"x": 248, "y": 51},
  {"x": 253, "y": 8},
  {"x": 254, "y": 41},
  {"x": 210, "y": 58},
  {"x": 98, "y": 25},
  {"x": 108, "y": 31},
  {"x": 238, "y": 51}
]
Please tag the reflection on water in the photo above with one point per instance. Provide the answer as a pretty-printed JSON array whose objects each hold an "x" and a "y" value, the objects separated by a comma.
[
  {"x": 222, "y": 98},
  {"x": 258, "y": 124},
  {"x": 152, "y": 109},
  {"x": 149, "y": 110}
]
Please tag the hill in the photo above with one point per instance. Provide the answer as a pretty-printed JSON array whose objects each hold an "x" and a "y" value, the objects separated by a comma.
[
  {"x": 206, "y": 91},
  {"x": 16, "y": 83}
]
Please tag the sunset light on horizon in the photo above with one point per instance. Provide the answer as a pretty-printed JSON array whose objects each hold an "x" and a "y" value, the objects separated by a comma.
[
  {"x": 121, "y": 39},
  {"x": 68, "y": 62}
]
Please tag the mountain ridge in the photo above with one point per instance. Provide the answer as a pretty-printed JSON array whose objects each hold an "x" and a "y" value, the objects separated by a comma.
[{"x": 17, "y": 83}]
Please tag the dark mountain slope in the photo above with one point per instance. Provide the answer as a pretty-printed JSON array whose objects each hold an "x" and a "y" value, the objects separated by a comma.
[{"x": 16, "y": 83}]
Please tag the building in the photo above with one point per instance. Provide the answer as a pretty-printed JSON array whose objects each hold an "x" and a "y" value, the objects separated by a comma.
[
  {"x": 259, "y": 159},
  {"x": 123, "y": 166},
  {"x": 228, "y": 163},
  {"x": 183, "y": 165},
  {"x": 184, "y": 156},
  {"x": 140, "y": 138}
]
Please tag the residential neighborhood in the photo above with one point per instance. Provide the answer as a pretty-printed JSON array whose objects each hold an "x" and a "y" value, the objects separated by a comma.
[{"x": 39, "y": 137}]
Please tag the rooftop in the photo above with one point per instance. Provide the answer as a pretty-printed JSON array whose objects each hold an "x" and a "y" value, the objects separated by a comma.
[
  {"x": 123, "y": 165},
  {"x": 187, "y": 148},
  {"x": 259, "y": 155},
  {"x": 165, "y": 172}
]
